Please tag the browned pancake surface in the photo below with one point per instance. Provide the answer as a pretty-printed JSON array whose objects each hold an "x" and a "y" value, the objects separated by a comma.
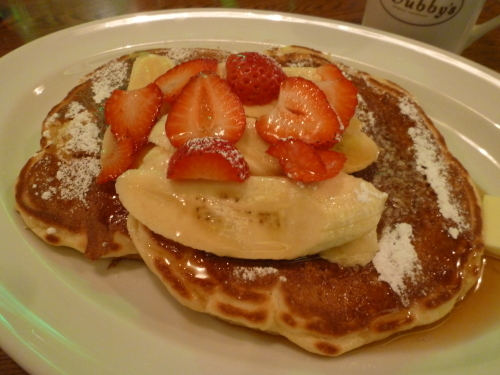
[
  {"x": 56, "y": 192},
  {"x": 319, "y": 305},
  {"x": 325, "y": 308}
]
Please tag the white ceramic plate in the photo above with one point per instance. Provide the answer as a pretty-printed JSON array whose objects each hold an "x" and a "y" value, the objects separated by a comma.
[{"x": 60, "y": 313}]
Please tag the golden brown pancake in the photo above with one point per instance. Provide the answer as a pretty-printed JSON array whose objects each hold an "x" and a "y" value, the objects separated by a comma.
[
  {"x": 429, "y": 234},
  {"x": 56, "y": 192}
]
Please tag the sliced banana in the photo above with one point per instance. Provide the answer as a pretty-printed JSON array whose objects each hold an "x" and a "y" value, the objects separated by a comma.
[
  {"x": 262, "y": 218},
  {"x": 253, "y": 148},
  {"x": 360, "y": 150},
  {"x": 147, "y": 68},
  {"x": 359, "y": 252},
  {"x": 304, "y": 72}
]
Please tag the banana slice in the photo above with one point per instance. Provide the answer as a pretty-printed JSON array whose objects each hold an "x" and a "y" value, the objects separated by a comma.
[
  {"x": 262, "y": 218},
  {"x": 359, "y": 252},
  {"x": 253, "y": 148},
  {"x": 147, "y": 68},
  {"x": 360, "y": 150}
]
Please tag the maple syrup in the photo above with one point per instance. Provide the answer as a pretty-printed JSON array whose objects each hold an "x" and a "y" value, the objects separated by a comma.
[{"x": 475, "y": 316}]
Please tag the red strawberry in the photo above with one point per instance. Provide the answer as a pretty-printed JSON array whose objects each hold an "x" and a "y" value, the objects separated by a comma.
[
  {"x": 341, "y": 92},
  {"x": 208, "y": 158},
  {"x": 302, "y": 112},
  {"x": 254, "y": 77},
  {"x": 116, "y": 157},
  {"x": 133, "y": 113},
  {"x": 334, "y": 161},
  {"x": 206, "y": 107},
  {"x": 172, "y": 82},
  {"x": 302, "y": 162}
]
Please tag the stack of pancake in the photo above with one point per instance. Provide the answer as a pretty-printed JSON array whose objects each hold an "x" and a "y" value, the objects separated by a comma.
[{"x": 429, "y": 233}]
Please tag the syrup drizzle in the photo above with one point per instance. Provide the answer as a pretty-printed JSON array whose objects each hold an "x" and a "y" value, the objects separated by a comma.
[{"x": 475, "y": 316}]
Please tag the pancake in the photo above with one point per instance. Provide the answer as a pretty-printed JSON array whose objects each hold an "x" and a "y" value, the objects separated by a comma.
[
  {"x": 429, "y": 236},
  {"x": 56, "y": 192},
  {"x": 429, "y": 233}
]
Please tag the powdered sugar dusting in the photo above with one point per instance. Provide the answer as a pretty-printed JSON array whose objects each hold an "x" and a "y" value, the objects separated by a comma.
[
  {"x": 179, "y": 55},
  {"x": 252, "y": 273},
  {"x": 221, "y": 147},
  {"x": 365, "y": 194},
  {"x": 83, "y": 130},
  {"x": 76, "y": 176},
  {"x": 51, "y": 119},
  {"x": 397, "y": 261},
  {"x": 107, "y": 79},
  {"x": 430, "y": 163}
]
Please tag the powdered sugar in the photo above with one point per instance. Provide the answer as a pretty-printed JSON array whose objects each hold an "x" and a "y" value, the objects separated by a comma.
[
  {"x": 83, "y": 130},
  {"x": 431, "y": 164},
  {"x": 179, "y": 55},
  {"x": 76, "y": 176},
  {"x": 49, "y": 193},
  {"x": 364, "y": 194},
  {"x": 51, "y": 119},
  {"x": 397, "y": 261},
  {"x": 252, "y": 273},
  {"x": 107, "y": 79},
  {"x": 215, "y": 145},
  {"x": 51, "y": 230}
]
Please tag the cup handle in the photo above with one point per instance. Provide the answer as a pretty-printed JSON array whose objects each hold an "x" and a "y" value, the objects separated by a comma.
[{"x": 481, "y": 29}]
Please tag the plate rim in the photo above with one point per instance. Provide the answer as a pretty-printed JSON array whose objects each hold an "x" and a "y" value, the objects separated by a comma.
[{"x": 35, "y": 363}]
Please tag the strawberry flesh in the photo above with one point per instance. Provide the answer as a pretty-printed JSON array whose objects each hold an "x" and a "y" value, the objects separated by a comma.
[
  {"x": 340, "y": 91},
  {"x": 133, "y": 113},
  {"x": 208, "y": 158},
  {"x": 117, "y": 156},
  {"x": 254, "y": 77},
  {"x": 302, "y": 162},
  {"x": 172, "y": 82},
  {"x": 206, "y": 107},
  {"x": 302, "y": 112}
]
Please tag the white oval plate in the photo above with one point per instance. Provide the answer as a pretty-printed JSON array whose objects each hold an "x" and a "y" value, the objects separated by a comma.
[{"x": 60, "y": 313}]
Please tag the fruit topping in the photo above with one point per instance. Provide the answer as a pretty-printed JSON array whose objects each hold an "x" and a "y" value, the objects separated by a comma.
[
  {"x": 172, "y": 82},
  {"x": 133, "y": 113},
  {"x": 254, "y": 77},
  {"x": 206, "y": 107},
  {"x": 117, "y": 155},
  {"x": 341, "y": 92},
  {"x": 302, "y": 112},
  {"x": 208, "y": 158},
  {"x": 302, "y": 162}
]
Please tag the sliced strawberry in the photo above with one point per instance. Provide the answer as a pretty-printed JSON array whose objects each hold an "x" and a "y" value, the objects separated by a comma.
[
  {"x": 133, "y": 113},
  {"x": 302, "y": 112},
  {"x": 254, "y": 77},
  {"x": 302, "y": 162},
  {"x": 334, "y": 161},
  {"x": 116, "y": 157},
  {"x": 341, "y": 92},
  {"x": 208, "y": 158},
  {"x": 172, "y": 82},
  {"x": 206, "y": 107}
]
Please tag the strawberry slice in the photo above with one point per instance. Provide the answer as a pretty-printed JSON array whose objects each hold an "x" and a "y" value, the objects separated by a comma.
[
  {"x": 302, "y": 112},
  {"x": 341, "y": 92},
  {"x": 172, "y": 82},
  {"x": 206, "y": 107},
  {"x": 208, "y": 158},
  {"x": 117, "y": 156},
  {"x": 133, "y": 113},
  {"x": 302, "y": 162},
  {"x": 254, "y": 77},
  {"x": 334, "y": 161}
]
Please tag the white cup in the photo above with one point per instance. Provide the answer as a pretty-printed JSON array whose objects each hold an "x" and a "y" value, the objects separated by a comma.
[{"x": 449, "y": 24}]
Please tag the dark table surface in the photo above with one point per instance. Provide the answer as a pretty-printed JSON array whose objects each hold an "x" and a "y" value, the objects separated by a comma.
[{"x": 22, "y": 21}]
